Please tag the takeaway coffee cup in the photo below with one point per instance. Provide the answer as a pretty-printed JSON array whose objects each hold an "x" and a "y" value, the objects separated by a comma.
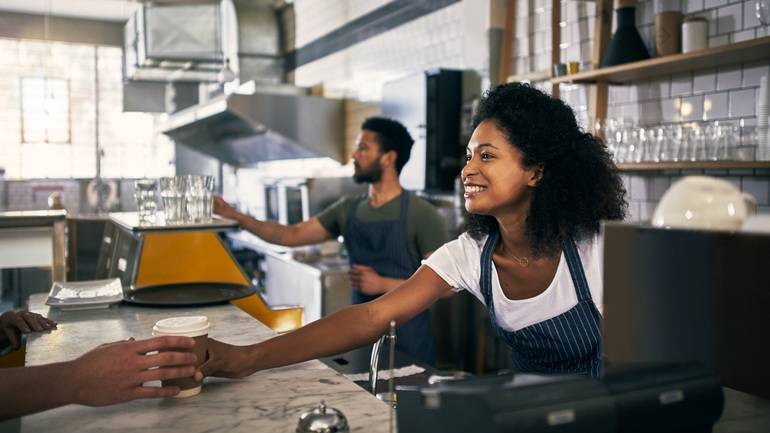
[{"x": 196, "y": 327}]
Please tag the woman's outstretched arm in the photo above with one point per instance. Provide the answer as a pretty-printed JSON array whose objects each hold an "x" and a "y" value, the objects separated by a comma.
[{"x": 344, "y": 330}]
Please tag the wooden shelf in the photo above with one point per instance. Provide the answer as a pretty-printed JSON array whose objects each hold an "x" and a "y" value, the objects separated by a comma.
[
  {"x": 532, "y": 76},
  {"x": 693, "y": 165},
  {"x": 740, "y": 52}
]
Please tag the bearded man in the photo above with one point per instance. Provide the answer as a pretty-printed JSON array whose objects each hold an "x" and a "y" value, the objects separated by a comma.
[{"x": 387, "y": 231}]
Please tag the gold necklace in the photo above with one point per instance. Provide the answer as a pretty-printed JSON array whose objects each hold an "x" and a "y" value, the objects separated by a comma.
[{"x": 523, "y": 261}]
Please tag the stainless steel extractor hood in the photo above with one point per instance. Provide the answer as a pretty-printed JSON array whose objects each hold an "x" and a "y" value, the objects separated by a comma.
[{"x": 266, "y": 124}]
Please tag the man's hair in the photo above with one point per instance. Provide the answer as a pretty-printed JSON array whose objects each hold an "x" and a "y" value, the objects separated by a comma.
[{"x": 391, "y": 135}]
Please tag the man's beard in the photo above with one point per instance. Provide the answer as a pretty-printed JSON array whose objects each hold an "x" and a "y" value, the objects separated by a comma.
[{"x": 372, "y": 175}]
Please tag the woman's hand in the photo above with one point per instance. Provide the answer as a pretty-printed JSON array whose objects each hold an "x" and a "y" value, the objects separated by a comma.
[
  {"x": 225, "y": 360},
  {"x": 15, "y": 323}
]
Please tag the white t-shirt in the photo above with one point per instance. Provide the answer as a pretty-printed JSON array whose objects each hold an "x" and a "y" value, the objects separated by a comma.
[{"x": 458, "y": 263}]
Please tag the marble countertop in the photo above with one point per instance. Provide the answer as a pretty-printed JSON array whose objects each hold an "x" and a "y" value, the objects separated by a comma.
[{"x": 268, "y": 401}]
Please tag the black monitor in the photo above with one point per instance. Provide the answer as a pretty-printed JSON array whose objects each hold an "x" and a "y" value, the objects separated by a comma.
[{"x": 673, "y": 295}]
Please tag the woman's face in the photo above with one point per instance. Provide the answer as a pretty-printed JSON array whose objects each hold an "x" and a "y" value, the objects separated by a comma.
[{"x": 494, "y": 178}]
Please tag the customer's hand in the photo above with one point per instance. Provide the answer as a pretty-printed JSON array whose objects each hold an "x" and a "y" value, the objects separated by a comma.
[
  {"x": 366, "y": 279},
  {"x": 114, "y": 373},
  {"x": 15, "y": 323},
  {"x": 224, "y": 360},
  {"x": 223, "y": 209}
]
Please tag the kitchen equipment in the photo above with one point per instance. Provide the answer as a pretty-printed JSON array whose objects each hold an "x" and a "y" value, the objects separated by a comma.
[
  {"x": 676, "y": 295},
  {"x": 626, "y": 44},
  {"x": 261, "y": 123},
  {"x": 293, "y": 200},
  {"x": 702, "y": 202},
  {"x": 665, "y": 398},
  {"x": 320, "y": 284},
  {"x": 694, "y": 34},
  {"x": 322, "y": 419},
  {"x": 170, "y": 264},
  {"x": 431, "y": 105}
]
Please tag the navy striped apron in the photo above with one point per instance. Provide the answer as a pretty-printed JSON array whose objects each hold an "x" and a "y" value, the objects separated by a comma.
[
  {"x": 569, "y": 343},
  {"x": 383, "y": 245}
]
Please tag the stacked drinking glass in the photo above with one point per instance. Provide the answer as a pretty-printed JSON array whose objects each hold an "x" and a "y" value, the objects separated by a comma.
[{"x": 187, "y": 199}]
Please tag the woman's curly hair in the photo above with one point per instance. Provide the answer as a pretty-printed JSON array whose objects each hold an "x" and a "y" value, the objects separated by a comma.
[{"x": 580, "y": 185}]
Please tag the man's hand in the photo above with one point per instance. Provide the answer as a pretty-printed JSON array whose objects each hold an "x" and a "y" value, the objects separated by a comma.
[
  {"x": 223, "y": 209},
  {"x": 15, "y": 323},
  {"x": 224, "y": 360},
  {"x": 367, "y": 280},
  {"x": 114, "y": 373}
]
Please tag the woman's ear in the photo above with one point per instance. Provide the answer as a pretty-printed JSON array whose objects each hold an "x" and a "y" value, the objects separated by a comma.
[{"x": 536, "y": 175}]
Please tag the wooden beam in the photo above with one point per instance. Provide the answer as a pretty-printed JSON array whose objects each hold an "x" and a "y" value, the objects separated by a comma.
[
  {"x": 555, "y": 41},
  {"x": 61, "y": 29},
  {"x": 506, "y": 51},
  {"x": 599, "y": 93}
]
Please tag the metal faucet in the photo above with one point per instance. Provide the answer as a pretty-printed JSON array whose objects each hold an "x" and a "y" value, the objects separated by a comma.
[{"x": 374, "y": 360}]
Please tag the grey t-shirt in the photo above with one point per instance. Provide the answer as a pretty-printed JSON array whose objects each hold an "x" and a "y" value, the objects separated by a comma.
[{"x": 425, "y": 228}]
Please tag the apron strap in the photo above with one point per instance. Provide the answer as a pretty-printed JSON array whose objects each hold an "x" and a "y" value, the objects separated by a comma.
[{"x": 576, "y": 270}]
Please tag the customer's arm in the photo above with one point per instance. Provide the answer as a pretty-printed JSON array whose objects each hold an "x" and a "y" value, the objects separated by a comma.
[
  {"x": 352, "y": 327},
  {"x": 109, "y": 374},
  {"x": 16, "y": 322},
  {"x": 304, "y": 233}
]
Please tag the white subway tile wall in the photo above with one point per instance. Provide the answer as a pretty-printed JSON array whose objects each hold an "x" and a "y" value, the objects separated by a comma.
[
  {"x": 130, "y": 148},
  {"x": 435, "y": 40},
  {"x": 441, "y": 39}
]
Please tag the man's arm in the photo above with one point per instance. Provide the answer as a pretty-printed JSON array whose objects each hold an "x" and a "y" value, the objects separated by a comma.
[
  {"x": 304, "y": 233},
  {"x": 111, "y": 373}
]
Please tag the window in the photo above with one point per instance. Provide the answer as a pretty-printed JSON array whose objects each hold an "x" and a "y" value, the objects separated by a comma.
[{"x": 45, "y": 110}]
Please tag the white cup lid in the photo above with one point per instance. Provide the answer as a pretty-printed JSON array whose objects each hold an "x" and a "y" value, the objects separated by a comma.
[{"x": 188, "y": 326}]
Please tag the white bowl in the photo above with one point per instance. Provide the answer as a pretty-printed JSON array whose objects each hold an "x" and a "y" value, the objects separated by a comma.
[{"x": 702, "y": 202}]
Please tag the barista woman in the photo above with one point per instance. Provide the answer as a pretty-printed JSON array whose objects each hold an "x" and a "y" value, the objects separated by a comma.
[{"x": 536, "y": 188}]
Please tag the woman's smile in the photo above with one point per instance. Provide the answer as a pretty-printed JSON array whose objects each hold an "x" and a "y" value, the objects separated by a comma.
[{"x": 471, "y": 189}]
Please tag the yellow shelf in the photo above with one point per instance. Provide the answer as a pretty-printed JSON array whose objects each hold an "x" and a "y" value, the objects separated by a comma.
[
  {"x": 694, "y": 165},
  {"x": 739, "y": 52}
]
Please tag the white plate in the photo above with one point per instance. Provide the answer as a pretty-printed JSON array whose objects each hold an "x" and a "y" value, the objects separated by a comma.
[{"x": 85, "y": 295}]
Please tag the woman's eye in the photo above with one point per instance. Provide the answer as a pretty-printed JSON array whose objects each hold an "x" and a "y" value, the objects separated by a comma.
[
  {"x": 467, "y": 158},
  {"x": 485, "y": 156}
]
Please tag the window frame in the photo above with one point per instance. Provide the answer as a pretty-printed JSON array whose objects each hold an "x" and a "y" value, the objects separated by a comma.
[{"x": 46, "y": 129}]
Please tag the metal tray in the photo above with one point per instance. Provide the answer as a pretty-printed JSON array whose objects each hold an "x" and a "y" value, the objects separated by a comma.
[{"x": 184, "y": 295}]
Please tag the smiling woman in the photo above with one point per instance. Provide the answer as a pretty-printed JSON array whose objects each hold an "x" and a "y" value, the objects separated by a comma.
[
  {"x": 537, "y": 188},
  {"x": 576, "y": 183}
]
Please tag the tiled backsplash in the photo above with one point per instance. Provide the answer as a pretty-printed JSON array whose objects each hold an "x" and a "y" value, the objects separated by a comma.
[
  {"x": 725, "y": 93},
  {"x": 456, "y": 37},
  {"x": 435, "y": 40},
  {"x": 33, "y": 194}
]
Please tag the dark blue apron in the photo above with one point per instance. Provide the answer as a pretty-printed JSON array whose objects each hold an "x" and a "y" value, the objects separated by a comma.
[
  {"x": 569, "y": 343},
  {"x": 383, "y": 245}
]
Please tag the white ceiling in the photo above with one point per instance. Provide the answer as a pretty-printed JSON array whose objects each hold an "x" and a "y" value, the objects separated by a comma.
[{"x": 104, "y": 10}]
